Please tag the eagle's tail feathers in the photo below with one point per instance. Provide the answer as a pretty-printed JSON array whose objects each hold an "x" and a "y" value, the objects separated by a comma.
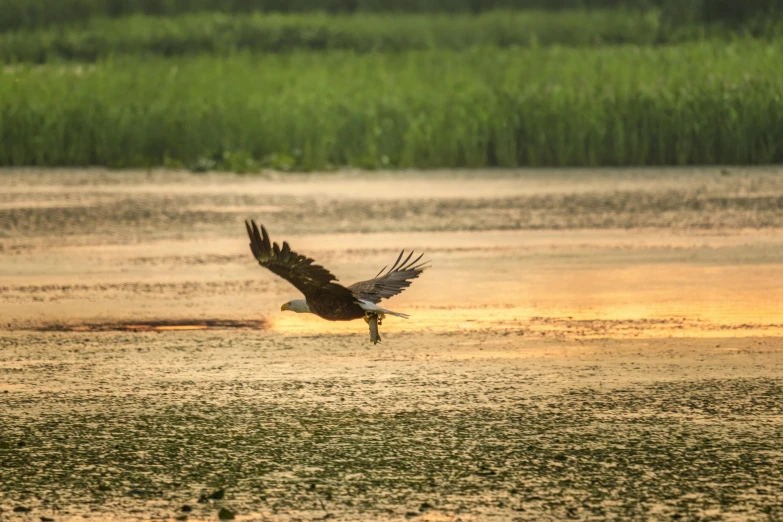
[{"x": 372, "y": 307}]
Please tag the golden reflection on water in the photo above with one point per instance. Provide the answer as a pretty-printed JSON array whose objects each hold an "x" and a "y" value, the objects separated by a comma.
[
  {"x": 641, "y": 300},
  {"x": 617, "y": 322}
]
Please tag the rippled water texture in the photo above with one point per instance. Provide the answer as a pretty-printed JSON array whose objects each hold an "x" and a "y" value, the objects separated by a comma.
[{"x": 587, "y": 345}]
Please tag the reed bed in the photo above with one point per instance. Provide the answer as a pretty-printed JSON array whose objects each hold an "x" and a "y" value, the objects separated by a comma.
[
  {"x": 221, "y": 34},
  {"x": 691, "y": 104},
  {"x": 26, "y": 14}
]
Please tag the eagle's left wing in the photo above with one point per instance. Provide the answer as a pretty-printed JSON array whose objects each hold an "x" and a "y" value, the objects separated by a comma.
[
  {"x": 314, "y": 281},
  {"x": 391, "y": 283}
]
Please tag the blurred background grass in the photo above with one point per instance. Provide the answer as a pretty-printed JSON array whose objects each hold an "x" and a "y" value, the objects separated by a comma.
[
  {"x": 26, "y": 14},
  {"x": 308, "y": 84}
]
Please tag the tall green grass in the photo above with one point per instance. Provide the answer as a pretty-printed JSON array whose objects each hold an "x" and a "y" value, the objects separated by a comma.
[
  {"x": 692, "y": 104},
  {"x": 221, "y": 34},
  {"x": 25, "y": 14}
]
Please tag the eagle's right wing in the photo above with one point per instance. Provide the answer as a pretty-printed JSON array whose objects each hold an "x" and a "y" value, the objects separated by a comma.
[
  {"x": 391, "y": 283},
  {"x": 302, "y": 272}
]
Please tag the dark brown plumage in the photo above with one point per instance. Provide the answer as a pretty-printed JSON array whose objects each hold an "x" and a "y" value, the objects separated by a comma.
[{"x": 325, "y": 297}]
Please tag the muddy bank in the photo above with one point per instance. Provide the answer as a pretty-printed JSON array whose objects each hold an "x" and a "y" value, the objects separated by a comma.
[
  {"x": 462, "y": 426},
  {"x": 116, "y": 208}
]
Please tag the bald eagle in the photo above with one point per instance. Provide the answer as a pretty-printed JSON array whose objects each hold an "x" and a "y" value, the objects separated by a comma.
[{"x": 323, "y": 296}]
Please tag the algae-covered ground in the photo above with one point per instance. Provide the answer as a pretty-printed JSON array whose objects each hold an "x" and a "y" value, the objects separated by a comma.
[{"x": 586, "y": 346}]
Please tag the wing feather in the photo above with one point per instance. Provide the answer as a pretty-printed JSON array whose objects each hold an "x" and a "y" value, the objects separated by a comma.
[
  {"x": 302, "y": 272},
  {"x": 391, "y": 283}
]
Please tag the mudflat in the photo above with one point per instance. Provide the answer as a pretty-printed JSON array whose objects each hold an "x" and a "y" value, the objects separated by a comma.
[{"x": 587, "y": 345}]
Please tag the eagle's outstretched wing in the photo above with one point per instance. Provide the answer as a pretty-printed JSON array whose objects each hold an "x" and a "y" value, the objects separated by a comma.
[
  {"x": 393, "y": 282},
  {"x": 310, "y": 279}
]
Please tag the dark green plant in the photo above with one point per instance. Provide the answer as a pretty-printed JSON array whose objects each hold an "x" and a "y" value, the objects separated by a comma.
[{"x": 706, "y": 103}]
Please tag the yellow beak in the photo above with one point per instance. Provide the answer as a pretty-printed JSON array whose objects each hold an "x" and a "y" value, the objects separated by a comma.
[{"x": 285, "y": 307}]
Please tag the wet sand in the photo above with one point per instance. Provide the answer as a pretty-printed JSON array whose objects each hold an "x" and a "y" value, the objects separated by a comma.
[{"x": 587, "y": 345}]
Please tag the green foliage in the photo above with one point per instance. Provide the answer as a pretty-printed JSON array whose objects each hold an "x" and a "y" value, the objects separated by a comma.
[
  {"x": 693, "y": 104},
  {"x": 220, "y": 34},
  {"x": 19, "y": 14},
  {"x": 735, "y": 13}
]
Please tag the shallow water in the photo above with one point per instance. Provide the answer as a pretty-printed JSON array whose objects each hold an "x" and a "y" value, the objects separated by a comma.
[{"x": 587, "y": 345}]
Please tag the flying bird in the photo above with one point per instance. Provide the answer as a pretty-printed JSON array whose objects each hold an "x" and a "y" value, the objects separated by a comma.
[{"x": 325, "y": 297}]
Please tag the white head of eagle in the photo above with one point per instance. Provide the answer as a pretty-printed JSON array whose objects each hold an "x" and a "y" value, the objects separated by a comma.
[{"x": 296, "y": 305}]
